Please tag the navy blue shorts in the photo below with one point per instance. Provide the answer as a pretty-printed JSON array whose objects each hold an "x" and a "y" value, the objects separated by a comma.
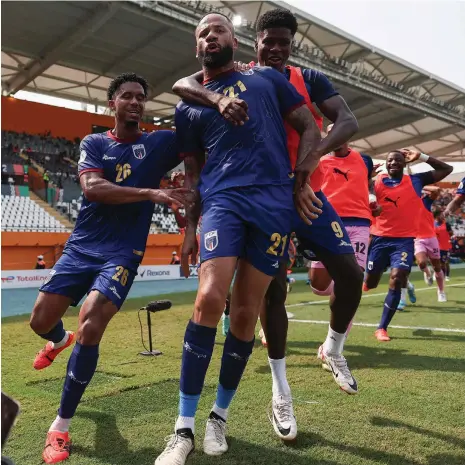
[
  {"x": 396, "y": 252},
  {"x": 326, "y": 234},
  {"x": 445, "y": 256},
  {"x": 76, "y": 274},
  {"x": 253, "y": 223}
]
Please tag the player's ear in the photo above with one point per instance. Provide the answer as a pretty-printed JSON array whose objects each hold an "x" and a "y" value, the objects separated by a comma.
[
  {"x": 111, "y": 105},
  {"x": 235, "y": 43}
]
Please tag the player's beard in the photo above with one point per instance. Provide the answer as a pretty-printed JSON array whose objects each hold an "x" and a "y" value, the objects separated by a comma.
[{"x": 217, "y": 59}]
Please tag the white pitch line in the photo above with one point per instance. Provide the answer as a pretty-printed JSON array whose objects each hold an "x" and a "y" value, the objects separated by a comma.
[
  {"x": 366, "y": 296},
  {"x": 374, "y": 325}
]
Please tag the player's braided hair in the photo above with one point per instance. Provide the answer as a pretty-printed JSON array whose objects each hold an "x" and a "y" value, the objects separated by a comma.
[
  {"x": 126, "y": 77},
  {"x": 277, "y": 18}
]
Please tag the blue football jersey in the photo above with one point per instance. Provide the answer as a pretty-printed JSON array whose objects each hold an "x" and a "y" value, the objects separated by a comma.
[
  {"x": 238, "y": 156},
  {"x": 461, "y": 188},
  {"x": 104, "y": 230}
]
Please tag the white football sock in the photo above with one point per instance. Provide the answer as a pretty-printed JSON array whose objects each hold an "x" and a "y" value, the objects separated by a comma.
[
  {"x": 403, "y": 294},
  {"x": 60, "y": 424},
  {"x": 57, "y": 345},
  {"x": 221, "y": 412},
  {"x": 334, "y": 343},
  {"x": 185, "y": 422},
  {"x": 278, "y": 373}
]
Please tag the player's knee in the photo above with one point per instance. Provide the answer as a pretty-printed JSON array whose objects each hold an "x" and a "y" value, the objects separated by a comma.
[
  {"x": 39, "y": 322},
  {"x": 397, "y": 282},
  {"x": 209, "y": 301},
  {"x": 422, "y": 264},
  {"x": 90, "y": 332}
]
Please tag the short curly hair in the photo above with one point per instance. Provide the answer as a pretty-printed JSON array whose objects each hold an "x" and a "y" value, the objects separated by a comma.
[
  {"x": 278, "y": 17},
  {"x": 126, "y": 77}
]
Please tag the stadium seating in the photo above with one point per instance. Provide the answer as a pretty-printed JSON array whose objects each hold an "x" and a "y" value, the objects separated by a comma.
[{"x": 23, "y": 214}]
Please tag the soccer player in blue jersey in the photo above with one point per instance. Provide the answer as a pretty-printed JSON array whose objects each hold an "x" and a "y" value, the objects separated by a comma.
[
  {"x": 392, "y": 242},
  {"x": 275, "y": 37},
  {"x": 246, "y": 193},
  {"x": 120, "y": 172}
]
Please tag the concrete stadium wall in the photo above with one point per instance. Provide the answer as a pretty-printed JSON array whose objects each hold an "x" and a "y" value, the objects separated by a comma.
[
  {"x": 37, "y": 118},
  {"x": 20, "y": 249}
]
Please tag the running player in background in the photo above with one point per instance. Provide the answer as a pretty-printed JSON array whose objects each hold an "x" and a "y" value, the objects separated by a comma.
[
  {"x": 443, "y": 233},
  {"x": 346, "y": 184},
  {"x": 120, "y": 172},
  {"x": 392, "y": 243},
  {"x": 246, "y": 191},
  {"x": 457, "y": 201},
  {"x": 426, "y": 242},
  {"x": 326, "y": 237}
]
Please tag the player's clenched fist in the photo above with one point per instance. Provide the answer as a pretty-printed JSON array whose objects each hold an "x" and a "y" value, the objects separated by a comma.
[{"x": 233, "y": 110}]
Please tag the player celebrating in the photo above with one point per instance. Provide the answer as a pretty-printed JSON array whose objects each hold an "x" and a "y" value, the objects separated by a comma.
[
  {"x": 443, "y": 233},
  {"x": 459, "y": 198},
  {"x": 426, "y": 243},
  {"x": 120, "y": 171},
  {"x": 392, "y": 243},
  {"x": 346, "y": 184},
  {"x": 327, "y": 236},
  {"x": 247, "y": 207}
]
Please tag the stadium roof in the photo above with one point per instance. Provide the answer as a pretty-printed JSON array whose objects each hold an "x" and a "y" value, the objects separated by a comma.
[{"x": 77, "y": 47}]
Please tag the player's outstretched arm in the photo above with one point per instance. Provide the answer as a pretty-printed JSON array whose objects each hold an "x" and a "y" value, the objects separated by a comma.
[
  {"x": 190, "y": 89},
  {"x": 97, "y": 189},
  {"x": 454, "y": 205}
]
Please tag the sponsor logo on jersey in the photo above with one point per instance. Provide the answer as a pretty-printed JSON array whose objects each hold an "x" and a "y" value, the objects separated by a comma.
[
  {"x": 106, "y": 157},
  {"x": 139, "y": 151}
]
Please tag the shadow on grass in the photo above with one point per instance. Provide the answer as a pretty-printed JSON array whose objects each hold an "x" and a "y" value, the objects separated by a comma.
[
  {"x": 110, "y": 445},
  {"x": 382, "y": 356}
]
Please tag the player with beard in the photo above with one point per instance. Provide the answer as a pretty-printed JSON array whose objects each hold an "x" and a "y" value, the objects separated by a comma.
[
  {"x": 392, "y": 244},
  {"x": 246, "y": 192},
  {"x": 120, "y": 173},
  {"x": 426, "y": 242},
  {"x": 327, "y": 237}
]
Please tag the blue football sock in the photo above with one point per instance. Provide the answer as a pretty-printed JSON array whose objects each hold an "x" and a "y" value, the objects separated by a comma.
[
  {"x": 81, "y": 367},
  {"x": 56, "y": 334},
  {"x": 390, "y": 306},
  {"x": 236, "y": 354},
  {"x": 196, "y": 355}
]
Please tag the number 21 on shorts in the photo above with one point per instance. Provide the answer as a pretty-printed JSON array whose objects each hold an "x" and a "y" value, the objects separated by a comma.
[{"x": 278, "y": 241}]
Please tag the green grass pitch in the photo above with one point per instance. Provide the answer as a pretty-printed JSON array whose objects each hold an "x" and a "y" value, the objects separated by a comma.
[{"x": 410, "y": 409}]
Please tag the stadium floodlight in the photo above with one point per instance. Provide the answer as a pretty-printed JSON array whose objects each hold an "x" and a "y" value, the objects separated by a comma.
[
  {"x": 237, "y": 20},
  {"x": 156, "y": 118},
  {"x": 152, "y": 307}
]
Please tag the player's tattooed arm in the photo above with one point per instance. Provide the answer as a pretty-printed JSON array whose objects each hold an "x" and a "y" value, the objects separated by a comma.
[
  {"x": 98, "y": 189},
  {"x": 193, "y": 164},
  {"x": 191, "y": 89},
  {"x": 344, "y": 123}
]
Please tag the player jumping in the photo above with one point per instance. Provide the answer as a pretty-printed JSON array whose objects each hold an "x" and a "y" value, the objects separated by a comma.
[
  {"x": 326, "y": 236},
  {"x": 392, "y": 243},
  {"x": 247, "y": 206},
  {"x": 120, "y": 172}
]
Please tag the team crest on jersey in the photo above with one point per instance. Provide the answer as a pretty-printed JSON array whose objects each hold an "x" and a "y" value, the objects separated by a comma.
[
  {"x": 139, "y": 151},
  {"x": 211, "y": 240}
]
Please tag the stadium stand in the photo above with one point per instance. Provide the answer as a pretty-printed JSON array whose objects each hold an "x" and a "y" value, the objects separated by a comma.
[{"x": 24, "y": 215}]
